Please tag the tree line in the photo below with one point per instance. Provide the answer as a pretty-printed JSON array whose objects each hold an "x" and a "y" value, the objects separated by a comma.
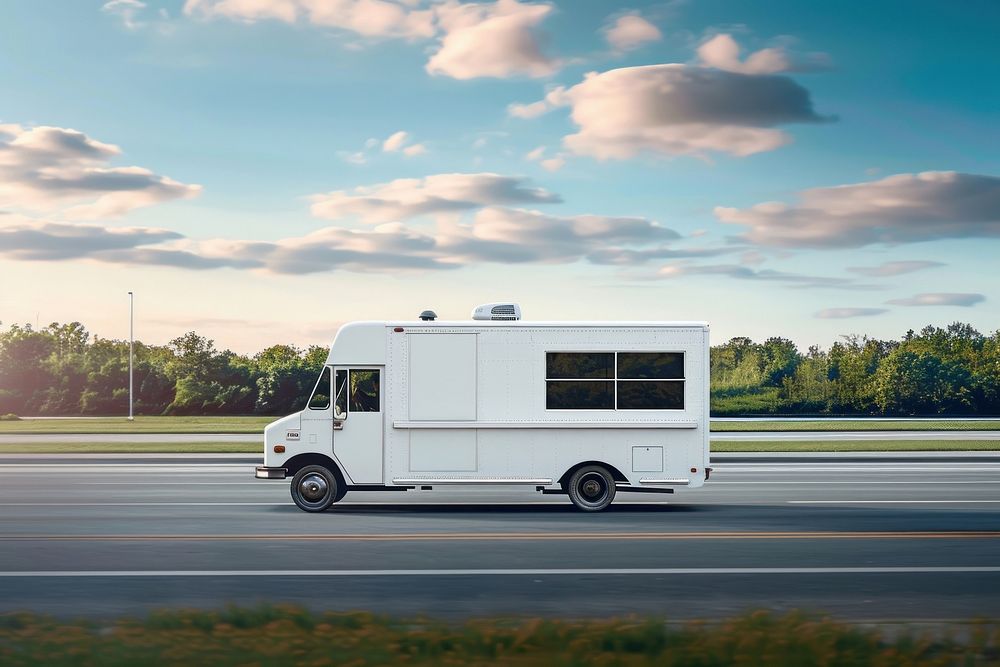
[{"x": 62, "y": 370}]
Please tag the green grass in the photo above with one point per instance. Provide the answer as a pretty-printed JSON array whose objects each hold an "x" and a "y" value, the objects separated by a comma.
[
  {"x": 132, "y": 448},
  {"x": 855, "y": 446},
  {"x": 277, "y": 636},
  {"x": 857, "y": 425},
  {"x": 140, "y": 425},
  {"x": 256, "y": 425}
]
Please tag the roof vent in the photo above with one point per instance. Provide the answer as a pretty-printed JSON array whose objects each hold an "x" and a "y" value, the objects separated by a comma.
[
  {"x": 497, "y": 311},
  {"x": 428, "y": 316}
]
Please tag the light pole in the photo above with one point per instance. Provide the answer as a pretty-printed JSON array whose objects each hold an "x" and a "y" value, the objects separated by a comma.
[{"x": 131, "y": 343}]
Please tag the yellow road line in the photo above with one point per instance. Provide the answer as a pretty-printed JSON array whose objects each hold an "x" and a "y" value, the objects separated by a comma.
[{"x": 540, "y": 537}]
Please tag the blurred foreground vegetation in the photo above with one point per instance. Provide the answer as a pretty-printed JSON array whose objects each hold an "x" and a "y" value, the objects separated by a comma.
[
  {"x": 292, "y": 636},
  {"x": 62, "y": 370}
]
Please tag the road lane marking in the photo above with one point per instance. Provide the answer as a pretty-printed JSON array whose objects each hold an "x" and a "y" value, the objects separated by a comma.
[
  {"x": 714, "y": 482},
  {"x": 535, "y": 572},
  {"x": 887, "y": 502},
  {"x": 457, "y": 537},
  {"x": 71, "y": 504}
]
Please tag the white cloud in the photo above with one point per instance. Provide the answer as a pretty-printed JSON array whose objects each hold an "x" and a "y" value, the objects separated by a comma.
[
  {"x": 535, "y": 154},
  {"x": 556, "y": 97},
  {"x": 500, "y": 234},
  {"x": 52, "y": 169},
  {"x": 474, "y": 39},
  {"x": 742, "y": 272},
  {"x": 631, "y": 31},
  {"x": 395, "y": 142},
  {"x": 678, "y": 109},
  {"x": 894, "y": 268},
  {"x": 553, "y": 163},
  {"x": 532, "y": 110},
  {"x": 406, "y": 198},
  {"x": 353, "y": 158},
  {"x": 399, "y": 142},
  {"x": 368, "y": 18},
  {"x": 26, "y": 238},
  {"x": 498, "y": 40},
  {"x": 844, "y": 313},
  {"x": 126, "y": 10},
  {"x": 722, "y": 52},
  {"x": 905, "y": 208},
  {"x": 940, "y": 299},
  {"x": 389, "y": 247}
]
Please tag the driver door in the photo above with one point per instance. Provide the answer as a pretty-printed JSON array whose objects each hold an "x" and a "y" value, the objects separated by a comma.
[{"x": 357, "y": 422}]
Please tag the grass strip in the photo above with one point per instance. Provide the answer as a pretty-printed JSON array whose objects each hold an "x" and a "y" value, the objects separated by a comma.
[
  {"x": 280, "y": 635},
  {"x": 854, "y": 445},
  {"x": 257, "y": 424},
  {"x": 132, "y": 448},
  {"x": 856, "y": 425},
  {"x": 140, "y": 425}
]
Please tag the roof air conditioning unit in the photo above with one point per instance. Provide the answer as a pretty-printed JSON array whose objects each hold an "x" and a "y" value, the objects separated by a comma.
[{"x": 497, "y": 311}]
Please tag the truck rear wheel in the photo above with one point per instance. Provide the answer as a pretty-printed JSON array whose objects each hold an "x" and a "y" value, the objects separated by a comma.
[
  {"x": 314, "y": 488},
  {"x": 591, "y": 488}
]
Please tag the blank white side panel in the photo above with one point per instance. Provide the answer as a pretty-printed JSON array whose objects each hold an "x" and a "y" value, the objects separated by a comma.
[
  {"x": 443, "y": 450},
  {"x": 647, "y": 459},
  {"x": 442, "y": 377}
]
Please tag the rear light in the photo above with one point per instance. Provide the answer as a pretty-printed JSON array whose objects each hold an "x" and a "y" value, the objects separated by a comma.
[
  {"x": 694, "y": 470},
  {"x": 279, "y": 449},
  {"x": 398, "y": 329}
]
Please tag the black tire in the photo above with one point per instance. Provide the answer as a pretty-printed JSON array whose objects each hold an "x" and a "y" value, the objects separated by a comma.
[
  {"x": 591, "y": 488},
  {"x": 314, "y": 488}
]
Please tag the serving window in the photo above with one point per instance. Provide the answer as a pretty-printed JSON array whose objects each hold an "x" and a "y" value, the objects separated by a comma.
[{"x": 614, "y": 380}]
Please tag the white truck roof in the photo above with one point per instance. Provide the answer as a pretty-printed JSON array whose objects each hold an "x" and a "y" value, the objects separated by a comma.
[{"x": 358, "y": 343}]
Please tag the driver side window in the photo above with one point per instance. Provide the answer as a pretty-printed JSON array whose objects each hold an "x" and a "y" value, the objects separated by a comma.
[{"x": 340, "y": 405}]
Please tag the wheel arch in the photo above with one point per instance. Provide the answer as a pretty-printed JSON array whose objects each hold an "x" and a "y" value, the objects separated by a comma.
[
  {"x": 616, "y": 474},
  {"x": 300, "y": 461}
]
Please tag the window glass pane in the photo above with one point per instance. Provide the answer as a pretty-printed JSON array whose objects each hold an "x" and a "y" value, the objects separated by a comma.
[
  {"x": 579, "y": 365},
  {"x": 340, "y": 405},
  {"x": 320, "y": 399},
  {"x": 364, "y": 391},
  {"x": 651, "y": 395},
  {"x": 586, "y": 395},
  {"x": 650, "y": 365}
]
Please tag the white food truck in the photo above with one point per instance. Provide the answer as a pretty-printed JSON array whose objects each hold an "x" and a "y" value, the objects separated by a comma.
[{"x": 577, "y": 408}]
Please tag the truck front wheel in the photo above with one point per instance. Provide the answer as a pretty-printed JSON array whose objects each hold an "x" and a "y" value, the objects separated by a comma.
[
  {"x": 591, "y": 488},
  {"x": 315, "y": 488}
]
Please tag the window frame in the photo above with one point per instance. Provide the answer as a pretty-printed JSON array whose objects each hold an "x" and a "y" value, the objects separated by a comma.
[
  {"x": 328, "y": 371},
  {"x": 378, "y": 371},
  {"x": 615, "y": 380}
]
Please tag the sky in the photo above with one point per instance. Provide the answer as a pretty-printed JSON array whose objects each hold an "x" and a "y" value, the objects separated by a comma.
[{"x": 262, "y": 171}]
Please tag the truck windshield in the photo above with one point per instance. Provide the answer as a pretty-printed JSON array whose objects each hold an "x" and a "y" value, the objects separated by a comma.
[{"x": 320, "y": 399}]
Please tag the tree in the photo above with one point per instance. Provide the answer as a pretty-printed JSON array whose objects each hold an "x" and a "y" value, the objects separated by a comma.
[{"x": 921, "y": 384}]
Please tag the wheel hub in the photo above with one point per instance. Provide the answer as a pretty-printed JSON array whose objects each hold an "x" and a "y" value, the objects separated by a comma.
[
  {"x": 591, "y": 488},
  {"x": 313, "y": 487}
]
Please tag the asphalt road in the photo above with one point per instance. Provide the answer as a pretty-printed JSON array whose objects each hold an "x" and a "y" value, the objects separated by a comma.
[
  {"x": 822, "y": 436},
  {"x": 874, "y": 538}
]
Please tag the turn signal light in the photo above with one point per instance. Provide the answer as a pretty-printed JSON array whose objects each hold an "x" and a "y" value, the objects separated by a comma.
[
  {"x": 694, "y": 470},
  {"x": 279, "y": 449},
  {"x": 398, "y": 329}
]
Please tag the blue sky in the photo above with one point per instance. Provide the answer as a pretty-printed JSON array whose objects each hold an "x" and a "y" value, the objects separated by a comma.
[{"x": 238, "y": 164}]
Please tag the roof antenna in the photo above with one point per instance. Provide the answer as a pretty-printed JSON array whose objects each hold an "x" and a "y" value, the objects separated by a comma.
[{"x": 428, "y": 316}]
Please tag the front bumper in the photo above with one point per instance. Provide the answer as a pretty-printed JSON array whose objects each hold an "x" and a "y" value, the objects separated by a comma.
[{"x": 263, "y": 472}]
